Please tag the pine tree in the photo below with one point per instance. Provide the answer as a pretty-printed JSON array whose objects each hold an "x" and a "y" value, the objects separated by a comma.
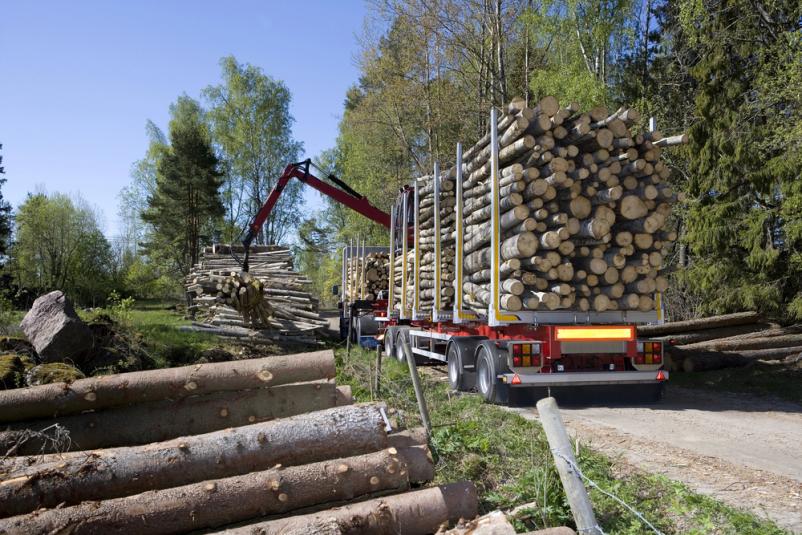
[{"x": 186, "y": 202}]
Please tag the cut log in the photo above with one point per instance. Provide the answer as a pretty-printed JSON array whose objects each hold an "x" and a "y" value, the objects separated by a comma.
[
  {"x": 115, "y": 472},
  {"x": 214, "y": 503},
  {"x": 162, "y": 420},
  {"x": 719, "y": 333},
  {"x": 789, "y": 340},
  {"x": 412, "y": 513},
  {"x": 727, "y": 320},
  {"x": 155, "y": 385}
]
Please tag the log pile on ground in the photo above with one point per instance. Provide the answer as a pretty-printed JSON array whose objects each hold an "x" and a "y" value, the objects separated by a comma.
[
  {"x": 368, "y": 275},
  {"x": 270, "y": 296},
  {"x": 584, "y": 212},
  {"x": 252, "y": 443},
  {"x": 730, "y": 340}
]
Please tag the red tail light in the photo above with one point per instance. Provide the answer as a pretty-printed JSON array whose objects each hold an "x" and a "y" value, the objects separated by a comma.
[
  {"x": 516, "y": 380},
  {"x": 661, "y": 376}
]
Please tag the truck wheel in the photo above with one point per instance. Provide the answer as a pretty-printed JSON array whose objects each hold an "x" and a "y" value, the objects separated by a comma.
[
  {"x": 486, "y": 376},
  {"x": 389, "y": 339},
  {"x": 456, "y": 377},
  {"x": 399, "y": 347}
]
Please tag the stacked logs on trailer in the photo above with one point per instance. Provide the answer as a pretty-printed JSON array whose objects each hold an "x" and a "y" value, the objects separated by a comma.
[
  {"x": 731, "y": 340},
  {"x": 270, "y": 296},
  {"x": 426, "y": 205},
  {"x": 258, "y": 443},
  {"x": 584, "y": 210},
  {"x": 368, "y": 275}
]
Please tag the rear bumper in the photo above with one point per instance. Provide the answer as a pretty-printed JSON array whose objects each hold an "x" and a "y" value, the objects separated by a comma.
[{"x": 581, "y": 378}]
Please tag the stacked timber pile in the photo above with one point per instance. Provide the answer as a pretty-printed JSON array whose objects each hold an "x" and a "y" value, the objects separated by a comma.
[
  {"x": 204, "y": 447},
  {"x": 271, "y": 295},
  {"x": 426, "y": 205},
  {"x": 369, "y": 275},
  {"x": 731, "y": 340},
  {"x": 584, "y": 210}
]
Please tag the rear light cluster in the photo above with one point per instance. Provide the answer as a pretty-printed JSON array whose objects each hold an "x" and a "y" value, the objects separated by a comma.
[
  {"x": 525, "y": 355},
  {"x": 649, "y": 353}
]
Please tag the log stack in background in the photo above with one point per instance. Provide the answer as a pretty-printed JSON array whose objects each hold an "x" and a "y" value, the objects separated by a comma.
[
  {"x": 369, "y": 275},
  {"x": 226, "y": 458},
  {"x": 728, "y": 341},
  {"x": 584, "y": 211},
  {"x": 427, "y": 242},
  {"x": 270, "y": 296}
]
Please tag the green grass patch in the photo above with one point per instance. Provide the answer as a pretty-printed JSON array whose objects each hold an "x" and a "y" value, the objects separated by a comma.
[
  {"x": 777, "y": 379},
  {"x": 508, "y": 458}
]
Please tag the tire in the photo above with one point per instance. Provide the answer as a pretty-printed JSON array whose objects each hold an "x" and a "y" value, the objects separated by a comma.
[
  {"x": 389, "y": 339},
  {"x": 399, "y": 347},
  {"x": 487, "y": 370},
  {"x": 456, "y": 376}
]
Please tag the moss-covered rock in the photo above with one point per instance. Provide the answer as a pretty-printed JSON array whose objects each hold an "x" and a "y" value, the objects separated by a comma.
[
  {"x": 53, "y": 372},
  {"x": 12, "y": 372}
]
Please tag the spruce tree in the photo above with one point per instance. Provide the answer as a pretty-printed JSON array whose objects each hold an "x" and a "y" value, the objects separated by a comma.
[
  {"x": 183, "y": 209},
  {"x": 5, "y": 213},
  {"x": 744, "y": 156}
]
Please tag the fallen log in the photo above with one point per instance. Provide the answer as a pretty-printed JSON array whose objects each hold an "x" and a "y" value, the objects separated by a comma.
[
  {"x": 162, "y": 420},
  {"x": 717, "y": 333},
  {"x": 115, "y": 472},
  {"x": 788, "y": 340},
  {"x": 411, "y": 513},
  {"x": 727, "y": 320},
  {"x": 214, "y": 503},
  {"x": 153, "y": 385}
]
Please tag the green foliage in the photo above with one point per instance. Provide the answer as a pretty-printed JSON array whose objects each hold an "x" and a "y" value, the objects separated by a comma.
[
  {"x": 251, "y": 124},
  {"x": 120, "y": 307},
  {"x": 744, "y": 155},
  {"x": 5, "y": 214},
  {"x": 182, "y": 209},
  {"x": 59, "y": 246}
]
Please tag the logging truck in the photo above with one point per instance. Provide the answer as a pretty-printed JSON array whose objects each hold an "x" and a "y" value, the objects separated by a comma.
[
  {"x": 530, "y": 262},
  {"x": 362, "y": 293}
]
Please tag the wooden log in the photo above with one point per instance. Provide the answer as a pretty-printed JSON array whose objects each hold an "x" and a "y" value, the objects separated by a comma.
[
  {"x": 727, "y": 320},
  {"x": 411, "y": 513},
  {"x": 210, "y": 504},
  {"x": 162, "y": 420},
  {"x": 789, "y": 340},
  {"x": 115, "y": 472},
  {"x": 154, "y": 385},
  {"x": 719, "y": 333}
]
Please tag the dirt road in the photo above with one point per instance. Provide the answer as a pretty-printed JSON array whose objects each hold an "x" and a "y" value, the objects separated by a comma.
[{"x": 744, "y": 451}]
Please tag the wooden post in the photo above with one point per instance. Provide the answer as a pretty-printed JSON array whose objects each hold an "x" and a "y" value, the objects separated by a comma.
[
  {"x": 348, "y": 340},
  {"x": 565, "y": 461},
  {"x": 413, "y": 372},
  {"x": 377, "y": 386}
]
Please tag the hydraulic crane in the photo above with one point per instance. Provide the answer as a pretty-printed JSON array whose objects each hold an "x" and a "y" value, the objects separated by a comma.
[{"x": 343, "y": 194}]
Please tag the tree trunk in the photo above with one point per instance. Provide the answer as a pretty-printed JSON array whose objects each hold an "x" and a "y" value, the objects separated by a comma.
[
  {"x": 153, "y": 385},
  {"x": 412, "y": 513},
  {"x": 789, "y": 340},
  {"x": 162, "y": 420},
  {"x": 214, "y": 503},
  {"x": 727, "y": 320},
  {"x": 115, "y": 472}
]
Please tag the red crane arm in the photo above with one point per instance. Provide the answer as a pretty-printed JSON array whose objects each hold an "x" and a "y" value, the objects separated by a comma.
[{"x": 346, "y": 196}]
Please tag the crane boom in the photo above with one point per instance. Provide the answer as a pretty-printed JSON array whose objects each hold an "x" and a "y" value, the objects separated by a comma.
[{"x": 343, "y": 194}]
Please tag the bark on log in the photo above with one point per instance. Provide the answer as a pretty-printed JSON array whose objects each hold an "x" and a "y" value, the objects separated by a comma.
[
  {"x": 719, "y": 333},
  {"x": 727, "y": 320},
  {"x": 789, "y": 340},
  {"x": 153, "y": 385},
  {"x": 215, "y": 503},
  {"x": 412, "y": 513},
  {"x": 116, "y": 472},
  {"x": 162, "y": 420}
]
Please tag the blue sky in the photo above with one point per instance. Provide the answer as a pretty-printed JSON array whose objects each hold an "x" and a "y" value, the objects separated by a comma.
[{"x": 79, "y": 79}]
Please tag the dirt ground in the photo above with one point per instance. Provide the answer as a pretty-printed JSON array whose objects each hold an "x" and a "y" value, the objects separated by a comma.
[{"x": 742, "y": 450}]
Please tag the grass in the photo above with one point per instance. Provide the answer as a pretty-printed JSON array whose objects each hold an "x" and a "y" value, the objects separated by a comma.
[
  {"x": 509, "y": 460},
  {"x": 776, "y": 379}
]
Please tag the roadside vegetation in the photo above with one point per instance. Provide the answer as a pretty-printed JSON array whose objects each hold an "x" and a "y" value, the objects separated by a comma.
[{"x": 509, "y": 459}]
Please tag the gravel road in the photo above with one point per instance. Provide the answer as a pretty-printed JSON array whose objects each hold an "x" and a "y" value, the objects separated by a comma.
[{"x": 742, "y": 450}]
